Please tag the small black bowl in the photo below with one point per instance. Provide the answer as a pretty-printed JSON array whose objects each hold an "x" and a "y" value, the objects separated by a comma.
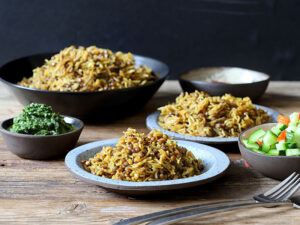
[
  {"x": 38, "y": 146},
  {"x": 278, "y": 167},
  {"x": 100, "y": 105},
  {"x": 218, "y": 81}
]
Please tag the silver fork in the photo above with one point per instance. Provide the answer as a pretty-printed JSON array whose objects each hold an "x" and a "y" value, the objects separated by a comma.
[{"x": 277, "y": 195}]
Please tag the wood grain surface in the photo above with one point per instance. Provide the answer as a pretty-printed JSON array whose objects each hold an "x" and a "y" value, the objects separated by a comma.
[{"x": 44, "y": 192}]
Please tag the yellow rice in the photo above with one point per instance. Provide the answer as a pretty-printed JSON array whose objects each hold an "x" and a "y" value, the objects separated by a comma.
[
  {"x": 88, "y": 69},
  {"x": 198, "y": 114},
  {"x": 140, "y": 157}
]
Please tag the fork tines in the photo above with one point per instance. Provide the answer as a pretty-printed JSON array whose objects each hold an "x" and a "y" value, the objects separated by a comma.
[{"x": 284, "y": 189}]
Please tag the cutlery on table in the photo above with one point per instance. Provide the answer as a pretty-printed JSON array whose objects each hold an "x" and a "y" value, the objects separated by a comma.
[
  {"x": 183, "y": 216},
  {"x": 276, "y": 195}
]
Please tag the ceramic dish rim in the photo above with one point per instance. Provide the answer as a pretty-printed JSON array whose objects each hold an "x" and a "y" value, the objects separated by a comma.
[
  {"x": 215, "y": 171},
  {"x": 266, "y": 77},
  {"x": 151, "y": 122}
]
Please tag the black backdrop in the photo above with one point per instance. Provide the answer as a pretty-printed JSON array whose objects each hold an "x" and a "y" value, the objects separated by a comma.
[{"x": 255, "y": 34}]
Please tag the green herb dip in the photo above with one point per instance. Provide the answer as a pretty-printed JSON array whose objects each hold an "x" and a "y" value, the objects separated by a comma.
[{"x": 39, "y": 119}]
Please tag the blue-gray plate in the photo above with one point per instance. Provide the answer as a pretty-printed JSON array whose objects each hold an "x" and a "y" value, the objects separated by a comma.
[
  {"x": 152, "y": 123},
  {"x": 215, "y": 164}
]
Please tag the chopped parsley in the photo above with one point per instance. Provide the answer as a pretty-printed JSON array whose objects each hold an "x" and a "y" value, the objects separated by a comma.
[{"x": 39, "y": 119}]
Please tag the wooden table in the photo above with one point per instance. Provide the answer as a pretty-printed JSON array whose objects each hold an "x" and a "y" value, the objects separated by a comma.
[{"x": 44, "y": 192}]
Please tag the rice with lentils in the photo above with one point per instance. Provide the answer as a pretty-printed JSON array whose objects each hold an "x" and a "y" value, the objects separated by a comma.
[
  {"x": 139, "y": 157},
  {"x": 199, "y": 114},
  {"x": 88, "y": 69}
]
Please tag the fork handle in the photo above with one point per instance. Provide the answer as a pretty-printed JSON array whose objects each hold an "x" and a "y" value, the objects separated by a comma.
[
  {"x": 171, "y": 212},
  {"x": 179, "y": 217}
]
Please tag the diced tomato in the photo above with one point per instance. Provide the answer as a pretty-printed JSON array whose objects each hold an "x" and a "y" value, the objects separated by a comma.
[
  {"x": 282, "y": 136},
  {"x": 283, "y": 120},
  {"x": 259, "y": 142},
  {"x": 247, "y": 164}
]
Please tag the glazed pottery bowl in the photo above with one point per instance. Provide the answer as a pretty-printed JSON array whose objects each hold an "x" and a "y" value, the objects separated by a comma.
[
  {"x": 278, "y": 167},
  {"x": 100, "y": 105},
  {"x": 38, "y": 146},
  {"x": 218, "y": 81}
]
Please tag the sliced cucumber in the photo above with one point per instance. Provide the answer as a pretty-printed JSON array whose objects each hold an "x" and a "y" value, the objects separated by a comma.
[
  {"x": 265, "y": 147},
  {"x": 293, "y": 152},
  {"x": 270, "y": 138},
  {"x": 245, "y": 141},
  {"x": 281, "y": 146},
  {"x": 281, "y": 126},
  {"x": 265, "y": 142},
  {"x": 292, "y": 127},
  {"x": 258, "y": 151},
  {"x": 251, "y": 146},
  {"x": 297, "y": 136},
  {"x": 294, "y": 118},
  {"x": 256, "y": 135},
  {"x": 290, "y": 137},
  {"x": 278, "y": 128},
  {"x": 275, "y": 130},
  {"x": 291, "y": 145},
  {"x": 275, "y": 152}
]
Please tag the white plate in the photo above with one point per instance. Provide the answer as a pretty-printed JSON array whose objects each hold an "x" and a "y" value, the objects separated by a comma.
[
  {"x": 215, "y": 164},
  {"x": 152, "y": 123}
]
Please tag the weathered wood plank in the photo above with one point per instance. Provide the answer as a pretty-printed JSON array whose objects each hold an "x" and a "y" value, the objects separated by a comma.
[
  {"x": 44, "y": 192},
  {"x": 108, "y": 212}
]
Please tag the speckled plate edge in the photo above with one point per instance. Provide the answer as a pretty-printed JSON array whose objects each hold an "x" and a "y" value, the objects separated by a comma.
[
  {"x": 152, "y": 123},
  {"x": 214, "y": 160}
]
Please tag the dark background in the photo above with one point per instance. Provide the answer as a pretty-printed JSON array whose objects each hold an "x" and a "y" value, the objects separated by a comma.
[{"x": 257, "y": 34}]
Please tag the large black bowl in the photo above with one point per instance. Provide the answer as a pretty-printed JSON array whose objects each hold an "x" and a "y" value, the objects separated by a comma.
[{"x": 102, "y": 105}]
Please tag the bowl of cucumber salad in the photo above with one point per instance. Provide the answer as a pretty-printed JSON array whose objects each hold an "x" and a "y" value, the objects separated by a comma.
[{"x": 273, "y": 148}]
